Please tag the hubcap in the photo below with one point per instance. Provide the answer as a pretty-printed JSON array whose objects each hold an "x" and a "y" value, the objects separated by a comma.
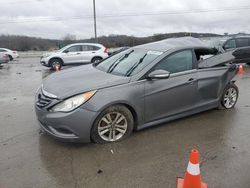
[
  {"x": 55, "y": 64},
  {"x": 97, "y": 60},
  {"x": 230, "y": 98},
  {"x": 112, "y": 126}
]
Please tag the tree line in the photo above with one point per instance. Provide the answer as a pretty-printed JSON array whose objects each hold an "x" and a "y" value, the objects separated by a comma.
[{"x": 25, "y": 43}]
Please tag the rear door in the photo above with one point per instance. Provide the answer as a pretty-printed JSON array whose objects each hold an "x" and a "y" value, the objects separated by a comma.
[
  {"x": 88, "y": 52},
  {"x": 176, "y": 94}
]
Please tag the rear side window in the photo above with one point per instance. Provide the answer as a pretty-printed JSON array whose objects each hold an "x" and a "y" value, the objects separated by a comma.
[
  {"x": 1, "y": 50},
  {"x": 242, "y": 42},
  {"x": 230, "y": 44},
  {"x": 93, "y": 48},
  {"x": 90, "y": 48},
  {"x": 178, "y": 62}
]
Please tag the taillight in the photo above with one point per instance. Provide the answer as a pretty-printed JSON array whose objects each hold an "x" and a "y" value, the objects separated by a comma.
[
  {"x": 14, "y": 52},
  {"x": 106, "y": 50}
]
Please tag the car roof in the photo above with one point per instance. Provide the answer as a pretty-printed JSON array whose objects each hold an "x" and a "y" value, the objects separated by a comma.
[
  {"x": 174, "y": 43},
  {"x": 239, "y": 37},
  {"x": 93, "y": 44}
]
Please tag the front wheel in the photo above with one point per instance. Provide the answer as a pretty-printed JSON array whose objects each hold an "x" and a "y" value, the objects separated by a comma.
[
  {"x": 11, "y": 58},
  {"x": 56, "y": 64},
  {"x": 229, "y": 97},
  {"x": 113, "y": 124}
]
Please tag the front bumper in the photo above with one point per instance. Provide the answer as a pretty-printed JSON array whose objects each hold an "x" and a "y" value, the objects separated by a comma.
[
  {"x": 44, "y": 62},
  {"x": 69, "y": 127}
]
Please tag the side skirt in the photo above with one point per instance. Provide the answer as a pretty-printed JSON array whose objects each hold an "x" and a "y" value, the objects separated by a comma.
[{"x": 178, "y": 116}]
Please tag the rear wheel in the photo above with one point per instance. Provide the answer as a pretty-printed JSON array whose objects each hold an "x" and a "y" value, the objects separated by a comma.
[
  {"x": 56, "y": 64},
  {"x": 114, "y": 124},
  {"x": 96, "y": 59},
  {"x": 229, "y": 97}
]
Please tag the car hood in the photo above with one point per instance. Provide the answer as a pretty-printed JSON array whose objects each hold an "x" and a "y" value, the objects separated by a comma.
[
  {"x": 47, "y": 54},
  {"x": 79, "y": 80}
]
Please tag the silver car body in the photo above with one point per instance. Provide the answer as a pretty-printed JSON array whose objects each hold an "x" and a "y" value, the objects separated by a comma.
[
  {"x": 150, "y": 101},
  {"x": 87, "y": 52}
]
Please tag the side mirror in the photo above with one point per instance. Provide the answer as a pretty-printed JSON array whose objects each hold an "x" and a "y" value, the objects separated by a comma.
[{"x": 159, "y": 74}]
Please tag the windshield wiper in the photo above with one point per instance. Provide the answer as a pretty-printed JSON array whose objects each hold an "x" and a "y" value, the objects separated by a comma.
[
  {"x": 129, "y": 72},
  {"x": 114, "y": 65}
]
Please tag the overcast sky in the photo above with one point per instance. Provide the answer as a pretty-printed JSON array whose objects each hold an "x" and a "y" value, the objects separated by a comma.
[{"x": 55, "y": 18}]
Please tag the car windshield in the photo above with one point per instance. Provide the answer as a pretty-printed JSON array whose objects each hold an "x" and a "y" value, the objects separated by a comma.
[{"x": 128, "y": 63}]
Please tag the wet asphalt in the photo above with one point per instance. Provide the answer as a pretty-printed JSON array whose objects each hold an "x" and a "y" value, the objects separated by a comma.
[{"x": 150, "y": 158}]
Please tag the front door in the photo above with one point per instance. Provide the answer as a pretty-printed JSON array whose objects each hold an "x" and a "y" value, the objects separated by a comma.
[{"x": 166, "y": 97}]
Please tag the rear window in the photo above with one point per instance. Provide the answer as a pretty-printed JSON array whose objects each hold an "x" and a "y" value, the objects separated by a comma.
[{"x": 242, "y": 42}]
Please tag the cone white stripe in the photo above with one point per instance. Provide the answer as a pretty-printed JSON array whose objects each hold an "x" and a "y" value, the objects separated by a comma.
[{"x": 193, "y": 169}]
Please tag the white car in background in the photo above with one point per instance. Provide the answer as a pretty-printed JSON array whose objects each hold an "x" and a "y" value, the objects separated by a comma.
[
  {"x": 4, "y": 58},
  {"x": 79, "y": 53},
  {"x": 12, "y": 54}
]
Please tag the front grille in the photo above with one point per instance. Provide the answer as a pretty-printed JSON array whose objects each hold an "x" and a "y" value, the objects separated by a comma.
[{"x": 43, "y": 100}]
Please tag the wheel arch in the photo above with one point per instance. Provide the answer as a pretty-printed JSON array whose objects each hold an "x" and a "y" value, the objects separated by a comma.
[
  {"x": 96, "y": 57},
  {"x": 129, "y": 107},
  {"x": 10, "y": 57}
]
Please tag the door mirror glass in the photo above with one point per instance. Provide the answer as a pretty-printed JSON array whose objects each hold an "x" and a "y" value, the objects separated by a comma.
[{"x": 159, "y": 74}]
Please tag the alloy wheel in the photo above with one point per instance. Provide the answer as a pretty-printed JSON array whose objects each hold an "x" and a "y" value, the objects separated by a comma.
[
  {"x": 112, "y": 126},
  {"x": 230, "y": 97}
]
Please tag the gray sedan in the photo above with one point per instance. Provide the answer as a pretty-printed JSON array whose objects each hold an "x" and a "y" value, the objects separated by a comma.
[{"x": 141, "y": 87}]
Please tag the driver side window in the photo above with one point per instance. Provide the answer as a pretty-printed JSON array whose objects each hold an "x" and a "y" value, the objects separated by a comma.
[{"x": 178, "y": 62}]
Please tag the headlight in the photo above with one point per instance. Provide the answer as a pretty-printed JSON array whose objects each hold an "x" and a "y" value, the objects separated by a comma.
[{"x": 73, "y": 102}]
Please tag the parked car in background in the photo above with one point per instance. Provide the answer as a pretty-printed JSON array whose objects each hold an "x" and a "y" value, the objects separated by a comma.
[
  {"x": 230, "y": 43},
  {"x": 4, "y": 58},
  {"x": 79, "y": 53},
  {"x": 12, "y": 54},
  {"x": 140, "y": 87}
]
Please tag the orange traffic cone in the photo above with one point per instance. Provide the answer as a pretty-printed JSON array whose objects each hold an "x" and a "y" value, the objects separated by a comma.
[
  {"x": 57, "y": 68},
  {"x": 192, "y": 178},
  {"x": 241, "y": 69}
]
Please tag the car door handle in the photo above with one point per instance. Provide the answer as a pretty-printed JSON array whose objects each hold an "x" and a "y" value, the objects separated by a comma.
[
  {"x": 78, "y": 53},
  {"x": 191, "y": 80},
  {"x": 93, "y": 52}
]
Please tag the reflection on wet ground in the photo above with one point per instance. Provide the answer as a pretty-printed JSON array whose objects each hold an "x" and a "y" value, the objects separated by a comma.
[{"x": 150, "y": 158}]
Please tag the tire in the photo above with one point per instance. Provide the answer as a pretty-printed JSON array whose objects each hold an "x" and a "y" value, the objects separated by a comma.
[
  {"x": 96, "y": 59},
  {"x": 11, "y": 58},
  {"x": 229, "y": 97},
  {"x": 119, "y": 116},
  {"x": 56, "y": 62}
]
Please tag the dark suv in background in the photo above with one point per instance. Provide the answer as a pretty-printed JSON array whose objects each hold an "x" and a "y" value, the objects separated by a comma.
[
  {"x": 236, "y": 42},
  {"x": 230, "y": 43}
]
